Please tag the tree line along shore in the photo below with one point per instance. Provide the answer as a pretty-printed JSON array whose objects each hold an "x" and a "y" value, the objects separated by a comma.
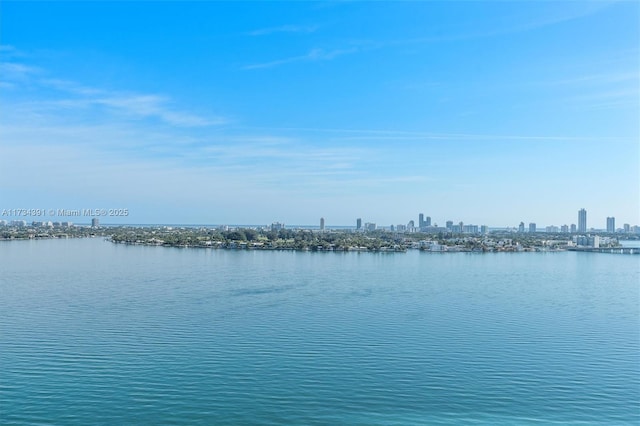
[{"x": 310, "y": 240}]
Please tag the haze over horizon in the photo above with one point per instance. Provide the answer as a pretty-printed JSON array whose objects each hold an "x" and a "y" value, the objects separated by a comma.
[{"x": 249, "y": 113}]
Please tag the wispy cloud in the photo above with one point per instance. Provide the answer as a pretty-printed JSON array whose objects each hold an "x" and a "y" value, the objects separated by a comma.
[
  {"x": 305, "y": 29},
  {"x": 127, "y": 105},
  {"x": 154, "y": 106},
  {"x": 69, "y": 86},
  {"x": 82, "y": 97},
  {"x": 529, "y": 24},
  {"x": 314, "y": 55},
  {"x": 608, "y": 99},
  {"x": 595, "y": 79},
  {"x": 17, "y": 71},
  {"x": 252, "y": 161},
  {"x": 324, "y": 55},
  {"x": 7, "y": 51},
  {"x": 399, "y": 135}
]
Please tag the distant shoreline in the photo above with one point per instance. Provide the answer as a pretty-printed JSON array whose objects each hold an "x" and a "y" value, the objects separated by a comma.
[{"x": 329, "y": 240}]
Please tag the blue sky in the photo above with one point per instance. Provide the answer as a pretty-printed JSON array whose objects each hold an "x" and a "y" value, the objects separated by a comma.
[{"x": 212, "y": 112}]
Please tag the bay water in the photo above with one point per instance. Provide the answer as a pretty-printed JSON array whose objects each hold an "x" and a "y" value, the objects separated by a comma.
[{"x": 97, "y": 333}]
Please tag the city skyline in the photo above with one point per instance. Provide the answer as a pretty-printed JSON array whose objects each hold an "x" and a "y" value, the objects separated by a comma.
[
  {"x": 484, "y": 113},
  {"x": 424, "y": 223}
]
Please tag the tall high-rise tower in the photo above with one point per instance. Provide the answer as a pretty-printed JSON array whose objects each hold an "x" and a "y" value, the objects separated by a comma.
[
  {"x": 359, "y": 223},
  {"x": 582, "y": 220},
  {"x": 421, "y": 220},
  {"x": 611, "y": 224},
  {"x": 322, "y": 223}
]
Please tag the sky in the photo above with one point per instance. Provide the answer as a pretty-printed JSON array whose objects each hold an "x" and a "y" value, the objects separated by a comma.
[{"x": 490, "y": 113}]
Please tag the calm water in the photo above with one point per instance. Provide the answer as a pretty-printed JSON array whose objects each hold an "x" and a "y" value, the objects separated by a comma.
[{"x": 96, "y": 333}]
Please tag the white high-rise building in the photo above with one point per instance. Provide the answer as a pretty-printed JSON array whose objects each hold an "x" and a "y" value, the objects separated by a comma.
[{"x": 582, "y": 220}]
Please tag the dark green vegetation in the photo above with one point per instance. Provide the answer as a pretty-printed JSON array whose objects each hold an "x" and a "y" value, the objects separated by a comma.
[
  {"x": 304, "y": 239},
  {"x": 244, "y": 238}
]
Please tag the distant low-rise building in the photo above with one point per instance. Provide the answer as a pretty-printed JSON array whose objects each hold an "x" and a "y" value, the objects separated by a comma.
[
  {"x": 470, "y": 229},
  {"x": 277, "y": 226},
  {"x": 587, "y": 241}
]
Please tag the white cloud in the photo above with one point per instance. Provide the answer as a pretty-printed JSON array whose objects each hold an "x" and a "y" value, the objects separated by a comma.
[
  {"x": 312, "y": 56},
  {"x": 154, "y": 106},
  {"x": 14, "y": 71},
  {"x": 69, "y": 86},
  {"x": 305, "y": 29},
  {"x": 503, "y": 30},
  {"x": 82, "y": 97},
  {"x": 134, "y": 105}
]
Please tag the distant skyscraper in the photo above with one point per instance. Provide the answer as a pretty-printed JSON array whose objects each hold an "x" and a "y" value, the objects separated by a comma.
[
  {"x": 421, "y": 220},
  {"x": 532, "y": 227},
  {"x": 574, "y": 229},
  {"x": 427, "y": 221},
  {"x": 582, "y": 220},
  {"x": 449, "y": 225},
  {"x": 564, "y": 228},
  {"x": 627, "y": 228},
  {"x": 611, "y": 224},
  {"x": 521, "y": 227},
  {"x": 95, "y": 222},
  {"x": 322, "y": 223},
  {"x": 359, "y": 223}
]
